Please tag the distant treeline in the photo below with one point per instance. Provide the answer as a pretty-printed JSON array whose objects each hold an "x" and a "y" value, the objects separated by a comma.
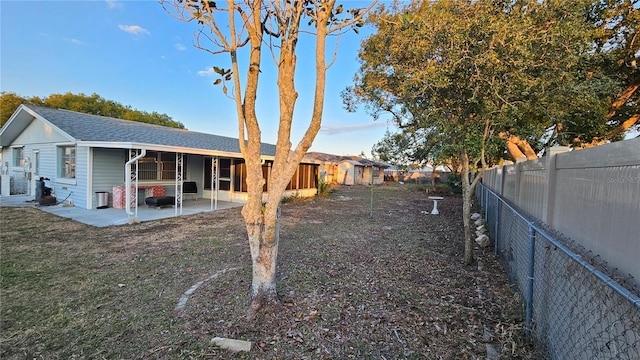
[{"x": 93, "y": 104}]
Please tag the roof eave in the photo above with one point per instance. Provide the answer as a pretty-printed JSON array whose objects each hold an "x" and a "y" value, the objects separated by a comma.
[
  {"x": 14, "y": 126},
  {"x": 156, "y": 147}
]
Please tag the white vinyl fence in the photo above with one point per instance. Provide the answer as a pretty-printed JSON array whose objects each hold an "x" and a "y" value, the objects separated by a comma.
[{"x": 591, "y": 196}]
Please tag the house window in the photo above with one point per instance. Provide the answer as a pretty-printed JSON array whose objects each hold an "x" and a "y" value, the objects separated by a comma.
[
  {"x": 240, "y": 176},
  {"x": 36, "y": 162},
  {"x": 67, "y": 162},
  {"x": 225, "y": 174},
  {"x": 158, "y": 166},
  {"x": 18, "y": 156},
  {"x": 147, "y": 168},
  {"x": 168, "y": 166},
  {"x": 304, "y": 177}
]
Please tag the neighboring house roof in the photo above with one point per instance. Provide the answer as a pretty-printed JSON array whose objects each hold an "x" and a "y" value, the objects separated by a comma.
[
  {"x": 352, "y": 162},
  {"x": 355, "y": 160},
  {"x": 102, "y": 129},
  {"x": 426, "y": 168}
]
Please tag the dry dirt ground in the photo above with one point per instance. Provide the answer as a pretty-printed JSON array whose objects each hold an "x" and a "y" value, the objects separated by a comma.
[{"x": 362, "y": 275}]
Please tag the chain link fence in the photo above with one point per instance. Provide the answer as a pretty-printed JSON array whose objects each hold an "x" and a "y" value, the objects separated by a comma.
[{"x": 573, "y": 309}]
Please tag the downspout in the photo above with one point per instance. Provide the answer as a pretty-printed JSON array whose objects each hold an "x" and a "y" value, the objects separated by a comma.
[{"x": 127, "y": 167}]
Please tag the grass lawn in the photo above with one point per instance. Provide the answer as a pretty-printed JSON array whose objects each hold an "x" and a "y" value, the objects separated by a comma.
[{"x": 352, "y": 286}]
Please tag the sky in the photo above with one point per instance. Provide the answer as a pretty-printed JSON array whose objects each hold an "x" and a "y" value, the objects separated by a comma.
[{"x": 135, "y": 53}]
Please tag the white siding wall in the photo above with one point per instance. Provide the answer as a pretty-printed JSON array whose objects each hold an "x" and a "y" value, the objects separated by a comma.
[
  {"x": 38, "y": 132},
  {"x": 47, "y": 169},
  {"x": 48, "y": 159},
  {"x": 346, "y": 173},
  {"x": 36, "y": 136},
  {"x": 195, "y": 171},
  {"x": 108, "y": 171},
  {"x": 73, "y": 189}
]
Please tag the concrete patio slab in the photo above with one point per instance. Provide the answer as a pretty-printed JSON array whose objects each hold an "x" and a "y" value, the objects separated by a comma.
[{"x": 113, "y": 217}]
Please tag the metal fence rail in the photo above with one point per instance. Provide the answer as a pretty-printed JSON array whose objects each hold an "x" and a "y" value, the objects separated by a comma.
[{"x": 573, "y": 310}]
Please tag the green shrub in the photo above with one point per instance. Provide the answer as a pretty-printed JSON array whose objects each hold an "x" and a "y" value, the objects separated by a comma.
[
  {"x": 454, "y": 183},
  {"x": 324, "y": 188}
]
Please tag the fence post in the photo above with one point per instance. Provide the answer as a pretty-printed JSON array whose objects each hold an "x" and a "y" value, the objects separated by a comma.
[
  {"x": 518, "y": 180},
  {"x": 485, "y": 203},
  {"x": 499, "y": 188},
  {"x": 551, "y": 183},
  {"x": 529, "y": 298},
  {"x": 496, "y": 226}
]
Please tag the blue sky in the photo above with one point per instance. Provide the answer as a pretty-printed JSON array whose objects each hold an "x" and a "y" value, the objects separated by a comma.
[{"x": 134, "y": 53}]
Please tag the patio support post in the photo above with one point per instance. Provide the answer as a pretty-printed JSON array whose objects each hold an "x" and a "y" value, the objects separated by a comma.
[
  {"x": 179, "y": 179},
  {"x": 214, "y": 183},
  {"x": 132, "y": 177}
]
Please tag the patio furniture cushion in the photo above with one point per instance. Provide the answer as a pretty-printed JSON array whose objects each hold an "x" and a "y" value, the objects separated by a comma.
[{"x": 160, "y": 201}]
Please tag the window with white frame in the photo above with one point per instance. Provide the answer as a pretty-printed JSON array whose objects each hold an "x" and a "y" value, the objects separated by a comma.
[
  {"x": 67, "y": 162},
  {"x": 18, "y": 156},
  {"x": 36, "y": 162}
]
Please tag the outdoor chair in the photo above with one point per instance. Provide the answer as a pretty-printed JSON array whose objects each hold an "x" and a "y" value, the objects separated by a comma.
[{"x": 190, "y": 188}]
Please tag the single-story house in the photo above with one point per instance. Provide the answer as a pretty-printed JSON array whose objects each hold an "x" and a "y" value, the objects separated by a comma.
[
  {"x": 86, "y": 156},
  {"x": 348, "y": 170},
  {"x": 421, "y": 175}
]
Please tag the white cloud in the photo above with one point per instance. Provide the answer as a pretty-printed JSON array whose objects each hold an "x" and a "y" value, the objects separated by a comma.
[
  {"x": 208, "y": 72},
  {"x": 180, "y": 47},
  {"x": 340, "y": 129},
  {"x": 113, "y": 4},
  {"x": 134, "y": 29},
  {"x": 74, "y": 41}
]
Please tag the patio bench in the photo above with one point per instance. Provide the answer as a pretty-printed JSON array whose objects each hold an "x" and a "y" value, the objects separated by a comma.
[{"x": 160, "y": 201}]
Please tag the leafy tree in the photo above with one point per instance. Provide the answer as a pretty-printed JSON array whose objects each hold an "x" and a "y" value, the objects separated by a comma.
[
  {"x": 94, "y": 104},
  {"x": 432, "y": 65},
  {"x": 616, "y": 54},
  {"x": 461, "y": 78},
  {"x": 396, "y": 149},
  {"x": 590, "y": 90},
  {"x": 275, "y": 26},
  {"x": 9, "y": 102}
]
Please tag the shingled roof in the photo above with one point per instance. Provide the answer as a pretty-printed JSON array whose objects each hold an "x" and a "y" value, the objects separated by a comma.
[
  {"x": 94, "y": 128},
  {"x": 324, "y": 157}
]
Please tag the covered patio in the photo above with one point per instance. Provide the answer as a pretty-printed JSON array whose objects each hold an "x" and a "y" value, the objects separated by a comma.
[{"x": 113, "y": 217}]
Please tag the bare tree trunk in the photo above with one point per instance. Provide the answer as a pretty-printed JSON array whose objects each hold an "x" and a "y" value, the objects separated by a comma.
[
  {"x": 469, "y": 184},
  {"x": 278, "y": 20},
  {"x": 514, "y": 151},
  {"x": 263, "y": 243},
  {"x": 261, "y": 219},
  {"x": 466, "y": 209},
  {"x": 518, "y": 148},
  {"x": 623, "y": 98}
]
